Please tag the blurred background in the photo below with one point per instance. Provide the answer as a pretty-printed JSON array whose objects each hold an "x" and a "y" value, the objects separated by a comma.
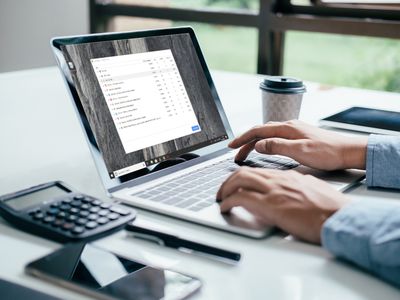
[{"x": 26, "y": 27}]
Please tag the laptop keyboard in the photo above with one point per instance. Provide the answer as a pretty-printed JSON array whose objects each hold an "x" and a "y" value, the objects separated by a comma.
[{"x": 196, "y": 190}]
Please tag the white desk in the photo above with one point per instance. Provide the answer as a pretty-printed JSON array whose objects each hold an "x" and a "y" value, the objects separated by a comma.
[{"x": 42, "y": 141}]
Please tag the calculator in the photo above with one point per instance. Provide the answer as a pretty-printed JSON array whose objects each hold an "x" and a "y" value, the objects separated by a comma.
[{"x": 55, "y": 211}]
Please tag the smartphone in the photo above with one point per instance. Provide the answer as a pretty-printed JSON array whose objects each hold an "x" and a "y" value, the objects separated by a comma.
[
  {"x": 102, "y": 274},
  {"x": 365, "y": 120}
]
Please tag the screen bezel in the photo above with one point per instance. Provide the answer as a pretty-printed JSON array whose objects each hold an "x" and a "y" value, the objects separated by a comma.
[
  {"x": 111, "y": 184},
  {"x": 45, "y": 268}
]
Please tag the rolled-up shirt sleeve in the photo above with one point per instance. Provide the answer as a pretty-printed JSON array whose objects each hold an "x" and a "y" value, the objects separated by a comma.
[
  {"x": 367, "y": 233},
  {"x": 383, "y": 161}
]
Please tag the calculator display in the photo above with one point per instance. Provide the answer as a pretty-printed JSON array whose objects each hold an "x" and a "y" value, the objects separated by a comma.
[{"x": 36, "y": 197}]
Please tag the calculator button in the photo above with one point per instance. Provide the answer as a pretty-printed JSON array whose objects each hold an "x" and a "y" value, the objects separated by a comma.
[
  {"x": 55, "y": 205},
  {"x": 32, "y": 213},
  {"x": 53, "y": 211},
  {"x": 92, "y": 217},
  {"x": 65, "y": 207},
  {"x": 81, "y": 221},
  {"x": 120, "y": 210},
  {"x": 66, "y": 201},
  {"x": 103, "y": 212},
  {"x": 96, "y": 203},
  {"x": 83, "y": 213},
  {"x": 61, "y": 215},
  {"x": 76, "y": 203},
  {"x": 57, "y": 222},
  {"x": 102, "y": 220},
  {"x": 85, "y": 206},
  {"x": 79, "y": 197},
  {"x": 113, "y": 216},
  {"x": 86, "y": 200},
  {"x": 73, "y": 211},
  {"x": 68, "y": 226},
  {"x": 91, "y": 225},
  {"x": 105, "y": 205},
  {"x": 39, "y": 216},
  {"x": 78, "y": 230},
  {"x": 72, "y": 218},
  {"x": 49, "y": 219},
  {"x": 94, "y": 209}
]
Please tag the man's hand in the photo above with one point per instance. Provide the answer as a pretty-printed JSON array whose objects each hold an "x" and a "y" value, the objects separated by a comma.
[
  {"x": 298, "y": 204},
  {"x": 309, "y": 145}
]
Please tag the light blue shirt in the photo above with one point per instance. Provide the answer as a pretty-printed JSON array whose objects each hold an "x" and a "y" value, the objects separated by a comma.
[{"x": 367, "y": 233}]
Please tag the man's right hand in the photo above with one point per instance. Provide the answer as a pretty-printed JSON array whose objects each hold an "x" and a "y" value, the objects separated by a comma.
[{"x": 309, "y": 145}]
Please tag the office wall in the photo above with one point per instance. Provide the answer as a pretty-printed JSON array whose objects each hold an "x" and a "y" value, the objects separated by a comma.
[{"x": 26, "y": 27}]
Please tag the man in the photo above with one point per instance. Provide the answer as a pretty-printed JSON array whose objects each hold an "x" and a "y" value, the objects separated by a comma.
[{"x": 366, "y": 233}]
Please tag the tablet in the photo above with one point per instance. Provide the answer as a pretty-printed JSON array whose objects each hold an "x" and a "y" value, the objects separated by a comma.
[
  {"x": 102, "y": 274},
  {"x": 365, "y": 120}
]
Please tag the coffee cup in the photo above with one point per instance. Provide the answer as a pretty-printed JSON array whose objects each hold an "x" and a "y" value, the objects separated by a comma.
[{"x": 281, "y": 98}]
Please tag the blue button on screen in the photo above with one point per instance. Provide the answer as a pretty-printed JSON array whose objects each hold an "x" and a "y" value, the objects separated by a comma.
[{"x": 195, "y": 128}]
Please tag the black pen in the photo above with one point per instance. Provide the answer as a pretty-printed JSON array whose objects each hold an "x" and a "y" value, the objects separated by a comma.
[{"x": 147, "y": 231}]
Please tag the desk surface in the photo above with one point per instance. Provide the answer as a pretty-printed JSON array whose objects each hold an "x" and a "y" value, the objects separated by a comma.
[{"x": 42, "y": 141}]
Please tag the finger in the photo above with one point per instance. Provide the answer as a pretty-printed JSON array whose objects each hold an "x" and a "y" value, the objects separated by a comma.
[
  {"x": 244, "y": 151},
  {"x": 252, "y": 202},
  {"x": 291, "y": 148},
  {"x": 260, "y": 132},
  {"x": 246, "y": 180}
]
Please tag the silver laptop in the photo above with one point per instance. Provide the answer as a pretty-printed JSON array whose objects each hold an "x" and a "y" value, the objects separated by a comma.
[{"x": 155, "y": 125}]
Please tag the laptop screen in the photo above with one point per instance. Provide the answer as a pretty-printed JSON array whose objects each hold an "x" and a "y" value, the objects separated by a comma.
[{"x": 147, "y": 99}]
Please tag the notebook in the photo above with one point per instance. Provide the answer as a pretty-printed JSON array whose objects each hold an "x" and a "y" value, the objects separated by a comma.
[{"x": 155, "y": 124}]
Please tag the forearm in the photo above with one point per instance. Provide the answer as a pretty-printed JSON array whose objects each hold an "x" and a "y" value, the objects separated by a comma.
[
  {"x": 367, "y": 233},
  {"x": 383, "y": 161}
]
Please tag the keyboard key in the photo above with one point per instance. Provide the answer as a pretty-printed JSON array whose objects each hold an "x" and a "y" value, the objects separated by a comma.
[
  {"x": 173, "y": 200},
  {"x": 196, "y": 208},
  {"x": 187, "y": 203}
]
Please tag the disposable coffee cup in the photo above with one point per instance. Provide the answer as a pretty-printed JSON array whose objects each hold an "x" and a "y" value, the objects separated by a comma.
[{"x": 281, "y": 98}]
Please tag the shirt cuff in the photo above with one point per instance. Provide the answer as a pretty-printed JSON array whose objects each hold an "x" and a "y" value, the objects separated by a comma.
[{"x": 383, "y": 161}]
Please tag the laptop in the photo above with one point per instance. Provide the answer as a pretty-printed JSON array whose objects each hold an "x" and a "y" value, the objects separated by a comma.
[{"x": 155, "y": 125}]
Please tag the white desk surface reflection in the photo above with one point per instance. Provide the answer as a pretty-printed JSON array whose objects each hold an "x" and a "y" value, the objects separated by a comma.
[{"x": 41, "y": 141}]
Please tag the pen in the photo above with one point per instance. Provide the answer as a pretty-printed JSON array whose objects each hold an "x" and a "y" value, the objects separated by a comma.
[{"x": 160, "y": 236}]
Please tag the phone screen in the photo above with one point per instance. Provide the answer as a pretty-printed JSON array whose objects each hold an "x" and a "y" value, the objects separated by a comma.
[
  {"x": 108, "y": 274},
  {"x": 367, "y": 117}
]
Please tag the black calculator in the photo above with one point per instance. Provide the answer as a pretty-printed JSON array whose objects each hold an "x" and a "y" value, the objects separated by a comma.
[{"x": 55, "y": 211}]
